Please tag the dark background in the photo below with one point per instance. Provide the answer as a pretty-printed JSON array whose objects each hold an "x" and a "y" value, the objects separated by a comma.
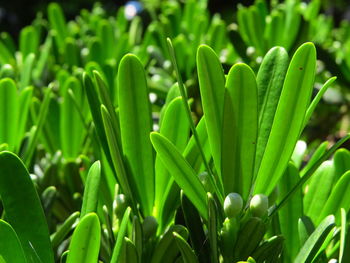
[{"x": 15, "y": 14}]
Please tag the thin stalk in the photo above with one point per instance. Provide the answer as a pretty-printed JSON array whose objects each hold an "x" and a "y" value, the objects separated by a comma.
[{"x": 193, "y": 128}]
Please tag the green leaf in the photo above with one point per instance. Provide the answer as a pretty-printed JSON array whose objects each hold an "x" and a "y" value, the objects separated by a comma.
[
  {"x": 120, "y": 238},
  {"x": 91, "y": 191},
  {"x": 166, "y": 249},
  {"x": 288, "y": 216},
  {"x": 239, "y": 132},
  {"x": 316, "y": 196},
  {"x": 85, "y": 244},
  {"x": 25, "y": 98},
  {"x": 116, "y": 155},
  {"x": 341, "y": 162},
  {"x": 28, "y": 41},
  {"x": 289, "y": 117},
  {"x": 321, "y": 149},
  {"x": 192, "y": 152},
  {"x": 71, "y": 127},
  {"x": 317, "y": 99},
  {"x": 135, "y": 126},
  {"x": 26, "y": 72},
  {"x": 344, "y": 233},
  {"x": 338, "y": 198},
  {"x": 315, "y": 241},
  {"x": 10, "y": 246},
  {"x": 64, "y": 229},
  {"x": 249, "y": 237},
  {"x": 182, "y": 172},
  {"x": 212, "y": 228},
  {"x": 305, "y": 229},
  {"x": 9, "y": 112},
  {"x": 129, "y": 253},
  {"x": 212, "y": 87},
  {"x": 195, "y": 229},
  {"x": 186, "y": 251},
  {"x": 57, "y": 23},
  {"x": 22, "y": 206},
  {"x": 270, "y": 80},
  {"x": 39, "y": 125},
  {"x": 176, "y": 128},
  {"x": 95, "y": 109}
]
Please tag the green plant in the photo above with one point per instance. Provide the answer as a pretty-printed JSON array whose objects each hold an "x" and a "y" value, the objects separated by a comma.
[{"x": 234, "y": 184}]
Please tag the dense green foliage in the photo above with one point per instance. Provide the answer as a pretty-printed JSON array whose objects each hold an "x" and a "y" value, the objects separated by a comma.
[{"x": 182, "y": 140}]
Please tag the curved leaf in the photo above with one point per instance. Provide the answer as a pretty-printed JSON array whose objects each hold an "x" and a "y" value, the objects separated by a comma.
[
  {"x": 289, "y": 117},
  {"x": 182, "y": 172},
  {"x": 22, "y": 206},
  {"x": 85, "y": 244},
  {"x": 135, "y": 126},
  {"x": 10, "y": 246}
]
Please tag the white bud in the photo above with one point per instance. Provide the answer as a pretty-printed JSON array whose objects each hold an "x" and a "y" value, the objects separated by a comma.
[
  {"x": 233, "y": 205},
  {"x": 259, "y": 205}
]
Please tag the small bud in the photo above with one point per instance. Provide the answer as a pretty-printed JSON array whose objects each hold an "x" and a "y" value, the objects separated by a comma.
[
  {"x": 259, "y": 205},
  {"x": 7, "y": 71},
  {"x": 233, "y": 205},
  {"x": 205, "y": 180},
  {"x": 119, "y": 205},
  {"x": 149, "y": 226}
]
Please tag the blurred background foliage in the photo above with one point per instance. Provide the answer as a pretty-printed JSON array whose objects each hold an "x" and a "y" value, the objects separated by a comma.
[{"x": 16, "y": 14}]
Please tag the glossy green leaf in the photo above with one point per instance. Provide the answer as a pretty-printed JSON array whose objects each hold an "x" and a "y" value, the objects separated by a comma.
[
  {"x": 166, "y": 249},
  {"x": 24, "y": 102},
  {"x": 39, "y": 125},
  {"x": 23, "y": 207},
  {"x": 343, "y": 235},
  {"x": 28, "y": 41},
  {"x": 315, "y": 241},
  {"x": 106, "y": 36},
  {"x": 212, "y": 229},
  {"x": 9, "y": 112},
  {"x": 72, "y": 132},
  {"x": 176, "y": 128},
  {"x": 341, "y": 162},
  {"x": 95, "y": 109},
  {"x": 120, "y": 238},
  {"x": 64, "y": 229},
  {"x": 135, "y": 126},
  {"x": 129, "y": 253},
  {"x": 338, "y": 198},
  {"x": 321, "y": 149},
  {"x": 239, "y": 132},
  {"x": 10, "y": 246},
  {"x": 316, "y": 196},
  {"x": 212, "y": 87},
  {"x": 317, "y": 99},
  {"x": 91, "y": 191},
  {"x": 291, "y": 212},
  {"x": 186, "y": 251},
  {"x": 249, "y": 237},
  {"x": 305, "y": 229},
  {"x": 26, "y": 72},
  {"x": 57, "y": 23},
  {"x": 182, "y": 172},
  {"x": 195, "y": 229},
  {"x": 42, "y": 58},
  {"x": 85, "y": 244},
  {"x": 269, "y": 79},
  {"x": 298, "y": 153},
  {"x": 116, "y": 155},
  {"x": 192, "y": 152},
  {"x": 288, "y": 119}
]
